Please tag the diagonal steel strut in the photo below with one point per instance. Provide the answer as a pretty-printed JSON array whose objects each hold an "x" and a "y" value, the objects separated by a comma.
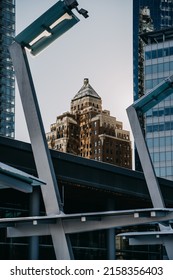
[
  {"x": 160, "y": 92},
  {"x": 40, "y": 149}
]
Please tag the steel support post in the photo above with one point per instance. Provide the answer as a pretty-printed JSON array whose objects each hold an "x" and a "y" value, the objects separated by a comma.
[
  {"x": 110, "y": 234},
  {"x": 45, "y": 170},
  {"x": 149, "y": 172},
  {"x": 147, "y": 166},
  {"x": 111, "y": 246},
  {"x": 34, "y": 211}
]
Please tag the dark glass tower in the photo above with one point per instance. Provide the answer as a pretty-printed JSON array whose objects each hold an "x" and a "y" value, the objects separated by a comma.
[
  {"x": 7, "y": 82},
  {"x": 161, "y": 15}
]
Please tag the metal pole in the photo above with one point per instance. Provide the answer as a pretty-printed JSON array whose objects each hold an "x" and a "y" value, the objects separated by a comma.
[
  {"x": 43, "y": 161},
  {"x": 147, "y": 166},
  {"x": 149, "y": 172},
  {"x": 111, "y": 246},
  {"x": 34, "y": 211},
  {"x": 110, "y": 235}
]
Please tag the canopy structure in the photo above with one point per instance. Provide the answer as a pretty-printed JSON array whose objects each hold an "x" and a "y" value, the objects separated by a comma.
[{"x": 16, "y": 179}]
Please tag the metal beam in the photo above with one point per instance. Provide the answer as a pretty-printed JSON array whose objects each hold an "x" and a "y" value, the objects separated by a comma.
[
  {"x": 73, "y": 223},
  {"x": 51, "y": 196},
  {"x": 147, "y": 238},
  {"x": 141, "y": 106},
  {"x": 154, "y": 96},
  {"x": 16, "y": 179},
  {"x": 146, "y": 162},
  {"x": 8, "y": 182}
]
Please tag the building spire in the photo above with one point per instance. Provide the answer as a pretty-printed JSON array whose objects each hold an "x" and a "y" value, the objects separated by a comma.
[
  {"x": 86, "y": 82},
  {"x": 86, "y": 90}
]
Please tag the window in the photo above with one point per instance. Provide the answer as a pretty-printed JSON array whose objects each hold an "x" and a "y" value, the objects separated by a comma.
[
  {"x": 168, "y": 156},
  {"x": 162, "y": 141},
  {"x": 162, "y": 171},
  {"x": 166, "y": 66},
  {"x": 159, "y": 53},
  {"x": 162, "y": 156},
  {"x": 160, "y": 67},
  {"x": 150, "y": 142},
  {"x": 168, "y": 141},
  {"x": 169, "y": 171},
  {"x": 156, "y": 157}
]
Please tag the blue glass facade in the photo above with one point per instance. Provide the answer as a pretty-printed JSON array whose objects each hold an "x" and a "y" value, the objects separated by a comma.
[
  {"x": 7, "y": 82},
  {"x": 159, "y": 120},
  {"x": 161, "y": 13}
]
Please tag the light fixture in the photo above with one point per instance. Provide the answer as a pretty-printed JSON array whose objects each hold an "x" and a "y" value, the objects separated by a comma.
[
  {"x": 36, "y": 37},
  {"x": 49, "y": 26},
  {"x": 156, "y": 95}
]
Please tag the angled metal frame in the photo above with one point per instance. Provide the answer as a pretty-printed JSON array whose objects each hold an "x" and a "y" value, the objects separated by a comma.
[
  {"x": 13, "y": 178},
  {"x": 45, "y": 170},
  {"x": 141, "y": 106}
]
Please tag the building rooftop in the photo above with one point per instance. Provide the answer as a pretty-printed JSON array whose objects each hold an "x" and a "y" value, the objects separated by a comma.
[{"x": 86, "y": 90}]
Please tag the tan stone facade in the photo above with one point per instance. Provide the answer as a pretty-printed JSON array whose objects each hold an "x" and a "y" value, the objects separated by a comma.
[{"x": 91, "y": 132}]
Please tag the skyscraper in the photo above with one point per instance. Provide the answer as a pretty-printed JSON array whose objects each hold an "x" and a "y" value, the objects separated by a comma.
[
  {"x": 90, "y": 132},
  {"x": 148, "y": 15},
  {"x": 7, "y": 83},
  {"x": 159, "y": 120},
  {"x": 161, "y": 13}
]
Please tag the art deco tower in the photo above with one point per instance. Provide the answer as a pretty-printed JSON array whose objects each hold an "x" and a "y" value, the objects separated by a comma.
[{"x": 89, "y": 131}]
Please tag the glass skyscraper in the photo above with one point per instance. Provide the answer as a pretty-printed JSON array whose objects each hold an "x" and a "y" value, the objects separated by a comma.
[
  {"x": 7, "y": 82},
  {"x": 159, "y": 120},
  {"x": 161, "y": 12},
  {"x": 154, "y": 61}
]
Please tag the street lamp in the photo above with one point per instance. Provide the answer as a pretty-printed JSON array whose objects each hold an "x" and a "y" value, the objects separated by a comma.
[
  {"x": 49, "y": 26},
  {"x": 36, "y": 37}
]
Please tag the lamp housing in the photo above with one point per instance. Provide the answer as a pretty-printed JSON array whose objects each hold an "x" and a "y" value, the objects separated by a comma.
[{"x": 47, "y": 28}]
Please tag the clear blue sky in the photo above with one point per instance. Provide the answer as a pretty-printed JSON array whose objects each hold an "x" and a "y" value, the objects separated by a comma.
[{"x": 98, "y": 48}]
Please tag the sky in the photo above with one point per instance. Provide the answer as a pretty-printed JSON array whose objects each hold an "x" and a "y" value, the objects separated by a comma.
[{"x": 98, "y": 48}]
